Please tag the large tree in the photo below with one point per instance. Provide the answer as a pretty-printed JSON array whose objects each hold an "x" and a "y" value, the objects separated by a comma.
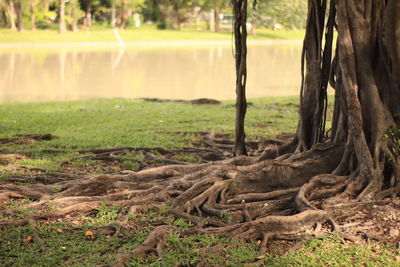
[
  {"x": 8, "y": 5},
  {"x": 293, "y": 185},
  {"x": 19, "y": 10}
]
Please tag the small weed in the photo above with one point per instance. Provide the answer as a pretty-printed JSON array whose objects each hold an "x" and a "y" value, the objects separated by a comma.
[
  {"x": 106, "y": 214},
  {"x": 187, "y": 158},
  {"x": 392, "y": 135},
  {"x": 226, "y": 217},
  {"x": 182, "y": 223},
  {"x": 47, "y": 164},
  {"x": 131, "y": 165}
]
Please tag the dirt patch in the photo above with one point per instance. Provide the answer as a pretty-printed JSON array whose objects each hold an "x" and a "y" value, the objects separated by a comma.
[
  {"x": 199, "y": 101},
  {"x": 27, "y": 139}
]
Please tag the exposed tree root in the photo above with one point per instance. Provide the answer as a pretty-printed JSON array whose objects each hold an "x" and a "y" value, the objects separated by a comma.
[{"x": 241, "y": 197}]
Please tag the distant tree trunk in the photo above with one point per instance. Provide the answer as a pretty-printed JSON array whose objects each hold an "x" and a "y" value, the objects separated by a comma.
[
  {"x": 87, "y": 21},
  {"x": 4, "y": 16},
  {"x": 61, "y": 17},
  {"x": 11, "y": 16},
  {"x": 217, "y": 20},
  {"x": 240, "y": 18},
  {"x": 176, "y": 19},
  {"x": 254, "y": 25},
  {"x": 19, "y": 12},
  {"x": 33, "y": 17},
  {"x": 113, "y": 16},
  {"x": 124, "y": 14},
  {"x": 74, "y": 20},
  {"x": 46, "y": 5}
]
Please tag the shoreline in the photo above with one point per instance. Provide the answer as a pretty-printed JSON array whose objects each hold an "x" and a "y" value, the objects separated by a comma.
[{"x": 145, "y": 44}]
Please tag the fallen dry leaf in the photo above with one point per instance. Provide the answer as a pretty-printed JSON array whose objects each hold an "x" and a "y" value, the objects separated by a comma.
[
  {"x": 398, "y": 258},
  {"x": 89, "y": 233}
]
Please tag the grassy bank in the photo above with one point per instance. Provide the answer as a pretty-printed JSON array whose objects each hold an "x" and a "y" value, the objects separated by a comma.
[
  {"x": 133, "y": 123},
  {"x": 144, "y": 34},
  {"x": 94, "y": 240}
]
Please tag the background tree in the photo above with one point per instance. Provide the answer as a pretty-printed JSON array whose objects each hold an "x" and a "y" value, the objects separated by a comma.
[
  {"x": 74, "y": 13},
  {"x": 18, "y": 7},
  {"x": 126, "y": 8},
  {"x": 61, "y": 16},
  {"x": 8, "y": 5},
  {"x": 88, "y": 7},
  {"x": 289, "y": 14},
  {"x": 32, "y": 11},
  {"x": 218, "y": 5}
]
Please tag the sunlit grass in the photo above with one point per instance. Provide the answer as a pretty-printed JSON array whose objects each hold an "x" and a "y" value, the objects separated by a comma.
[
  {"x": 144, "y": 34},
  {"x": 137, "y": 123}
]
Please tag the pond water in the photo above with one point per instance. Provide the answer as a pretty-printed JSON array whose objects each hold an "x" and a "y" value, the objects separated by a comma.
[{"x": 59, "y": 74}]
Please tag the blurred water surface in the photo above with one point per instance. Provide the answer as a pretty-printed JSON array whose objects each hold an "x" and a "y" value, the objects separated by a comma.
[{"x": 60, "y": 74}]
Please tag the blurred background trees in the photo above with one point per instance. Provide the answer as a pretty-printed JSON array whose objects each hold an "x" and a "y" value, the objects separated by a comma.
[{"x": 214, "y": 15}]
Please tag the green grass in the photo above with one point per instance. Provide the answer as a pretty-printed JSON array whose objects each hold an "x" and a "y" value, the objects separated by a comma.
[
  {"x": 133, "y": 123},
  {"x": 333, "y": 251},
  {"x": 144, "y": 34},
  {"x": 66, "y": 245}
]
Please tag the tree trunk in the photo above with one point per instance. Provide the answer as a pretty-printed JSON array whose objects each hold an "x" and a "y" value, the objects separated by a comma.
[
  {"x": 113, "y": 16},
  {"x": 87, "y": 21},
  {"x": 124, "y": 15},
  {"x": 46, "y": 5},
  {"x": 240, "y": 30},
  {"x": 217, "y": 20},
  {"x": 61, "y": 17},
  {"x": 254, "y": 26},
  {"x": 176, "y": 15},
  {"x": 3, "y": 16},
  {"x": 11, "y": 16},
  {"x": 74, "y": 25},
  {"x": 19, "y": 11},
  {"x": 33, "y": 17}
]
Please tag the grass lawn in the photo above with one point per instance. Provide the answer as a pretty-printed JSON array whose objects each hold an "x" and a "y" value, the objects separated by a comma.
[
  {"x": 143, "y": 34},
  {"x": 93, "y": 240}
]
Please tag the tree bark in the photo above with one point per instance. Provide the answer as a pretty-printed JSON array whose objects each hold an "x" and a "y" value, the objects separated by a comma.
[
  {"x": 113, "y": 16},
  {"x": 19, "y": 12},
  {"x": 11, "y": 16},
  {"x": 217, "y": 20},
  {"x": 61, "y": 17},
  {"x": 33, "y": 16},
  {"x": 240, "y": 30},
  {"x": 124, "y": 15},
  {"x": 74, "y": 25}
]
